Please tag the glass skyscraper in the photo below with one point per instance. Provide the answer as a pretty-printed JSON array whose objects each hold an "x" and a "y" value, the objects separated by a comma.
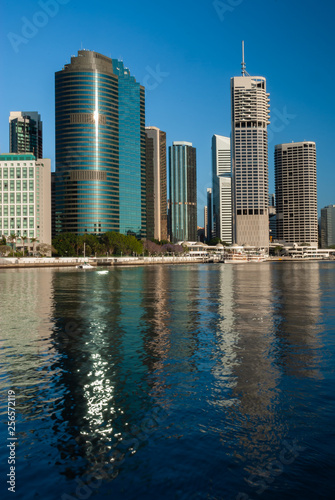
[
  {"x": 100, "y": 147},
  {"x": 183, "y": 192}
]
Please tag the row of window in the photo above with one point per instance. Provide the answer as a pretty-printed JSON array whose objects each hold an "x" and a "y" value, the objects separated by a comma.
[
  {"x": 20, "y": 210},
  {"x": 250, "y": 211},
  {"x": 20, "y": 172},
  {"x": 20, "y": 197},
  {"x": 17, "y": 223},
  {"x": 19, "y": 186}
]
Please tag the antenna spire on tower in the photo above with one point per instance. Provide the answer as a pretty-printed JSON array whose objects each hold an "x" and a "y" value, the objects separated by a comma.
[{"x": 244, "y": 71}]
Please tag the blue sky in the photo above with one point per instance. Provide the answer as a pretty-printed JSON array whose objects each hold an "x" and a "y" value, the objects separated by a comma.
[{"x": 192, "y": 49}]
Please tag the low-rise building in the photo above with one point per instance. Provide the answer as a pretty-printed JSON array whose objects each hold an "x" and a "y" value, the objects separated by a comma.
[{"x": 25, "y": 198}]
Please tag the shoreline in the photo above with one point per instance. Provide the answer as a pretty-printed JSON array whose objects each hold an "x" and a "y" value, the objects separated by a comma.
[{"x": 44, "y": 262}]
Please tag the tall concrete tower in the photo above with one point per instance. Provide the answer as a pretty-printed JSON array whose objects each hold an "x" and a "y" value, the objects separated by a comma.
[
  {"x": 296, "y": 200},
  {"x": 250, "y": 118}
]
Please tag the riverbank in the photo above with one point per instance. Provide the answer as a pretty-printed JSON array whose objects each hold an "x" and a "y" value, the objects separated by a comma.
[{"x": 28, "y": 262}]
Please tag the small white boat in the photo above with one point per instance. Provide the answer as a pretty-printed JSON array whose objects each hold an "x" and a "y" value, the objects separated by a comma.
[{"x": 85, "y": 265}]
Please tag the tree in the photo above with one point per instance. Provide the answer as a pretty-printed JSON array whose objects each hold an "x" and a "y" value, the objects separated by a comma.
[
  {"x": 23, "y": 239},
  {"x": 44, "y": 249},
  {"x": 4, "y": 250},
  {"x": 214, "y": 241},
  {"x": 33, "y": 241},
  {"x": 12, "y": 238}
]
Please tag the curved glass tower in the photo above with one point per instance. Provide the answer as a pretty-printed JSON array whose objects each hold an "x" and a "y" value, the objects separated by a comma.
[{"x": 98, "y": 187}]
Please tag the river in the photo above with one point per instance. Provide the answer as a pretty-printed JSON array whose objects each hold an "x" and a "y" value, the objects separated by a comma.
[{"x": 199, "y": 381}]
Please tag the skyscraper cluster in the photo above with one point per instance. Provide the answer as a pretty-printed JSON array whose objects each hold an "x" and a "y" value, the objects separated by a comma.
[
  {"x": 112, "y": 173},
  {"x": 241, "y": 211}
]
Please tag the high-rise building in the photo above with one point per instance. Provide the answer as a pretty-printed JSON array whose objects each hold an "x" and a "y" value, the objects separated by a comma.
[
  {"x": 209, "y": 228},
  {"x": 206, "y": 222},
  {"x": 296, "y": 200},
  {"x": 183, "y": 191},
  {"x": 100, "y": 147},
  {"x": 272, "y": 218},
  {"x": 25, "y": 201},
  {"x": 156, "y": 187},
  {"x": 25, "y": 133},
  {"x": 328, "y": 226},
  {"x": 250, "y": 118},
  {"x": 222, "y": 195}
]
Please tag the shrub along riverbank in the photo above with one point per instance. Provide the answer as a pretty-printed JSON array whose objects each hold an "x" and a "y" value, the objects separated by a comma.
[{"x": 110, "y": 243}]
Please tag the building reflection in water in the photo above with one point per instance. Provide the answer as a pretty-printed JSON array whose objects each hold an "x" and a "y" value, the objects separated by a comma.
[
  {"x": 217, "y": 346},
  {"x": 267, "y": 330}
]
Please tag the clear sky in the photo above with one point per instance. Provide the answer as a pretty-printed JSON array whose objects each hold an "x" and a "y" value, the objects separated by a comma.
[{"x": 185, "y": 53}]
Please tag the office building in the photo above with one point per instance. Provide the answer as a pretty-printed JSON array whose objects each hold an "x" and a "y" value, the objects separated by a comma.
[
  {"x": 183, "y": 191},
  {"x": 100, "y": 147},
  {"x": 156, "y": 186},
  {"x": 205, "y": 223},
  {"x": 296, "y": 201},
  {"x": 209, "y": 228},
  {"x": 328, "y": 226},
  {"x": 25, "y": 201},
  {"x": 25, "y": 133},
  {"x": 222, "y": 182},
  {"x": 250, "y": 118},
  {"x": 272, "y": 218}
]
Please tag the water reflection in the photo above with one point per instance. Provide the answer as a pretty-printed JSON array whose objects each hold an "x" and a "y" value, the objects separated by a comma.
[{"x": 233, "y": 355}]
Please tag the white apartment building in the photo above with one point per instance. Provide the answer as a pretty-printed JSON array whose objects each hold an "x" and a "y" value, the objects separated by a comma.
[
  {"x": 25, "y": 197},
  {"x": 296, "y": 197},
  {"x": 222, "y": 185}
]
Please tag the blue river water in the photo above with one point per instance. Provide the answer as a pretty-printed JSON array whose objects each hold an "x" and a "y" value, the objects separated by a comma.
[{"x": 206, "y": 381}]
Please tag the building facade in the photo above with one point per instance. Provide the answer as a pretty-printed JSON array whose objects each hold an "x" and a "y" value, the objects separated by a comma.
[
  {"x": 25, "y": 133},
  {"x": 250, "y": 118},
  {"x": 328, "y": 226},
  {"x": 25, "y": 197},
  {"x": 183, "y": 191},
  {"x": 205, "y": 222},
  {"x": 222, "y": 188},
  {"x": 209, "y": 227},
  {"x": 100, "y": 147},
  {"x": 272, "y": 218},
  {"x": 296, "y": 198},
  {"x": 156, "y": 184}
]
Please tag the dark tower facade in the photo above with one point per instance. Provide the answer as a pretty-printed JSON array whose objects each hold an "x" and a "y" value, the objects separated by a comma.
[
  {"x": 25, "y": 133},
  {"x": 183, "y": 192}
]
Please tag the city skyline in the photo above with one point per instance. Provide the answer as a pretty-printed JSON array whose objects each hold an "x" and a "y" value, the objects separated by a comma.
[{"x": 173, "y": 69}]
